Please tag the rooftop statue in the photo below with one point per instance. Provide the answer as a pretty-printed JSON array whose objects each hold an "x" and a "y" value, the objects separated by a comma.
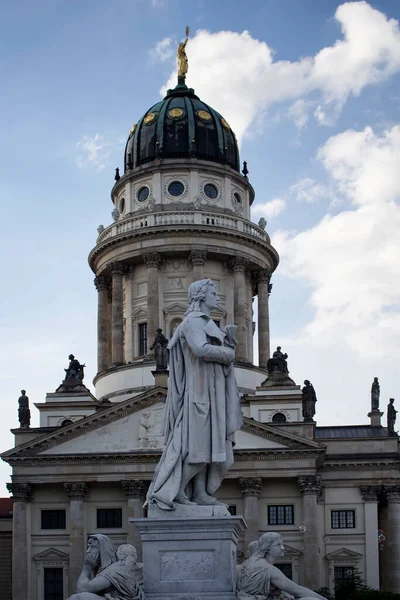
[
  {"x": 202, "y": 409},
  {"x": 183, "y": 64},
  {"x": 24, "y": 414},
  {"x": 160, "y": 347},
  {"x": 391, "y": 416},
  {"x": 375, "y": 393},
  {"x": 73, "y": 379},
  {"x": 309, "y": 400},
  {"x": 260, "y": 580},
  {"x": 107, "y": 574},
  {"x": 278, "y": 372}
]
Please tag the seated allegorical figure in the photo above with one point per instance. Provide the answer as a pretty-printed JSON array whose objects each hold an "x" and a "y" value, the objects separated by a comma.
[
  {"x": 107, "y": 574},
  {"x": 260, "y": 580}
]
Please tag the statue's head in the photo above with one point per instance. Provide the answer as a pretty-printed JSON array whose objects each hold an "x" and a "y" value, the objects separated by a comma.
[
  {"x": 201, "y": 294},
  {"x": 102, "y": 547},
  {"x": 23, "y": 392},
  {"x": 376, "y": 379},
  {"x": 127, "y": 551},
  {"x": 159, "y": 330},
  {"x": 306, "y": 382},
  {"x": 270, "y": 543},
  {"x": 279, "y": 348},
  {"x": 251, "y": 549},
  {"x": 391, "y": 400},
  {"x": 71, "y": 357}
]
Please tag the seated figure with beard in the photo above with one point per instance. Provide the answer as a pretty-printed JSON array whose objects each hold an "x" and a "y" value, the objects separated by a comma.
[{"x": 107, "y": 574}]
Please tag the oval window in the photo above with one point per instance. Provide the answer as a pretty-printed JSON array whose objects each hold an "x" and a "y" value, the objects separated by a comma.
[
  {"x": 211, "y": 191},
  {"x": 204, "y": 115},
  {"x": 143, "y": 194},
  {"x": 176, "y": 113},
  {"x": 176, "y": 188},
  {"x": 279, "y": 418},
  {"x": 150, "y": 118},
  {"x": 122, "y": 205},
  {"x": 238, "y": 198}
]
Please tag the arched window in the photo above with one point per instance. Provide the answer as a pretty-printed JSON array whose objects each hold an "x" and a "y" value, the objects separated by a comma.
[
  {"x": 279, "y": 418},
  {"x": 66, "y": 422}
]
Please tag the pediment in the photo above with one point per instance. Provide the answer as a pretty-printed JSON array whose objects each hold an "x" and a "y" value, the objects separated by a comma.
[
  {"x": 279, "y": 438},
  {"x": 344, "y": 553},
  {"x": 175, "y": 308},
  {"x": 51, "y": 554},
  {"x": 112, "y": 429},
  {"x": 291, "y": 552}
]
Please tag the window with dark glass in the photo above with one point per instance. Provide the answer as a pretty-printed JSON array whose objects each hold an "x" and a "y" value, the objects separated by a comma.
[
  {"x": 282, "y": 514},
  {"x": 211, "y": 191},
  {"x": 343, "y": 519},
  {"x": 218, "y": 323},
  {"x": 53, "y": 583},
  {"x": 142, "y": 339},
  {"x": 53, "y": 519},
  {"x": 109, "y": 518},
  {"x": 176, "y": 188},
  {"x": 279, "y": 418},
  {"x": 286, "y": 569},
  {"x": 143, "y": 193},
  {"x": 343, "y": 575},
  {"x": 232, "y": 509}
]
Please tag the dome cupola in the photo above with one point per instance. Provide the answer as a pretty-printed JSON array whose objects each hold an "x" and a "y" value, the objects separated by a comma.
[{"x": 181, "y": 126}]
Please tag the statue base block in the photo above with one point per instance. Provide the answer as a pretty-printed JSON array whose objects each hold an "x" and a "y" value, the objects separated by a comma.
[{"x": 188, "y": 557}]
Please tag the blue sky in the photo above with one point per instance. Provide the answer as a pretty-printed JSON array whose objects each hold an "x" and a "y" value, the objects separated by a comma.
[{"x": 312, "y": 91}]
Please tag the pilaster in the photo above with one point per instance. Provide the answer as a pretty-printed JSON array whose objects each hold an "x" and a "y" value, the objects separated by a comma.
[
  {"x": 264, "y": 351},
  {"x": 239, "y": 265},
  {"x": 251, "y": 489},
  {"x": 370, "y": 496},
  {"x": 311, "y": 489},
  {"x": 117, "y": 318},
  {"x": 152, "y": 261},
  {"x": 103, "y": 359},
  {"x": 76, "y": 492},
  {"x": 22, "y": 495},
  {"x": 393, "y": 537},
  {"x": 197, "y": 259},
  {"x": 135, "y": 492}
]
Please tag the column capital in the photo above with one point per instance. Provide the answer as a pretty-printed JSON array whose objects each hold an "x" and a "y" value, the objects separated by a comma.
[
  {"x": 152, "y": 260},
  {"x": 197, "y": 257},
  {"x": 250, "y": 486},
  {"x": 310, "y": 485},
  {"x": 100, "y": 282},
  {"x": 21, "y": 492},
  {"x": 370, "y": 493},
  {"x": 263, "y": 276},
  {"x": 77, "y": 490},
  {"x": 238, "y": 263},
  {"x": 134, "y": 488},
  {"x": 392, "y": 493},
  {"x": 116, "y": 268}
]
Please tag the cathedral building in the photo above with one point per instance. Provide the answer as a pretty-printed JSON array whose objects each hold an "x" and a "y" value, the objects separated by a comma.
[{"x": 182, "y": 212}]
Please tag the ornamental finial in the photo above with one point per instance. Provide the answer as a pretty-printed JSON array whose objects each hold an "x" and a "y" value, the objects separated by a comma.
[{"x": 183, "y": 63}]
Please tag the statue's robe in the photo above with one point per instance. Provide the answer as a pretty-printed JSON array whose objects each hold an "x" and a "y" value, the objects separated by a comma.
[{"x": 202, "y": 409}]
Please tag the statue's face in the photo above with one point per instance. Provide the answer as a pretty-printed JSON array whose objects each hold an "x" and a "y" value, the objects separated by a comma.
[
  {"x": 93, "y": 547},
  {"x": 277, "y": 549},
  {"x": 211, "y": 299}
]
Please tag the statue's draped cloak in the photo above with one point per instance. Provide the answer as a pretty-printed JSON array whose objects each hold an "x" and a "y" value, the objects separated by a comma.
[
  {"x": 255, "y": 579},
  {"x": 202, "y": 410}
]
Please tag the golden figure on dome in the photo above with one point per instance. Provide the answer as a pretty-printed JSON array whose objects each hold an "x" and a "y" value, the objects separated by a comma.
[{"x": 183, "y": 63}]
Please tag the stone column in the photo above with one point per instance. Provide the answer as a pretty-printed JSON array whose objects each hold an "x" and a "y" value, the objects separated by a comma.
[
  {"x": 77, "y": 493},
  {"x": 251, "y": 490},
  {"x": 197, "y": 258},
  {"x": 22, "y": 494},
  {"x": 264, "y": 351},
  {"x": 102, "y": 324},
  {"x": 393, "y": 538},
  {"x": 117, "y": 317},
  {"x": 239, "y": 267},
  {"x": 311, "y": 489},
  {"x": 152, "y": 261},
  {"x": 135, "y": 491},
  {"x": 370, "y": 497}
]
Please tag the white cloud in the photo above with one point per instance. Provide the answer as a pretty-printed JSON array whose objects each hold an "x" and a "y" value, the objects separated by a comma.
[
  {"x": 268, "y": 209},
  {"x": 350, "y": 260},
  {"x": 367, "y": 53},
  {"x": 162, "y": 51},
  {"x": 95, "y": 152},
  {"x": 308, "y": 190},
  {"x": 298, "y": 113}
]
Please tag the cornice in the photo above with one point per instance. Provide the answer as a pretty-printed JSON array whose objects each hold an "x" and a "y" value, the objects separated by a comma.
[
  {"x": 185, "y": 231},
  {"x": 292, "y": 441}
]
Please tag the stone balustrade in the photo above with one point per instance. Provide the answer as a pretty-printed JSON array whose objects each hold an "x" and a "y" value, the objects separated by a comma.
[{"x": 184, "y": 217}]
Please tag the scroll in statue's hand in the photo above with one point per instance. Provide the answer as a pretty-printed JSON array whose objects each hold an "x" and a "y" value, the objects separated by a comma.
[{"x": 230, "y": 331}]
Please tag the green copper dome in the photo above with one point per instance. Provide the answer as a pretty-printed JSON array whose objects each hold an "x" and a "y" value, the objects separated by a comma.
[{"x": 181, "y": 126}]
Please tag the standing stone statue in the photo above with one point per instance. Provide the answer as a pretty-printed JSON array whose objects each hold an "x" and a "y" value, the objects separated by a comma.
[
  {"x": 260, "y": 580},
  {"x": 391, "y": 417},
  {"x": 202, "y": 409},
  {"x": 309, "y": 400},
  {"x": 107, "y": 574},
  {"x": 160, "y": 347},
  {"x": 375, "y": 393},
  {"x": 24, "y": 414}
]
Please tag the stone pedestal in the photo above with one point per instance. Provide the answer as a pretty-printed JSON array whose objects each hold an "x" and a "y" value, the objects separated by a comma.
[{"x": 189, "y": 553}]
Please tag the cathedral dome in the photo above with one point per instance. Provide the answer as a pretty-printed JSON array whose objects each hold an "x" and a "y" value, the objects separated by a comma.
[{"x": 181, "y": 126}]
